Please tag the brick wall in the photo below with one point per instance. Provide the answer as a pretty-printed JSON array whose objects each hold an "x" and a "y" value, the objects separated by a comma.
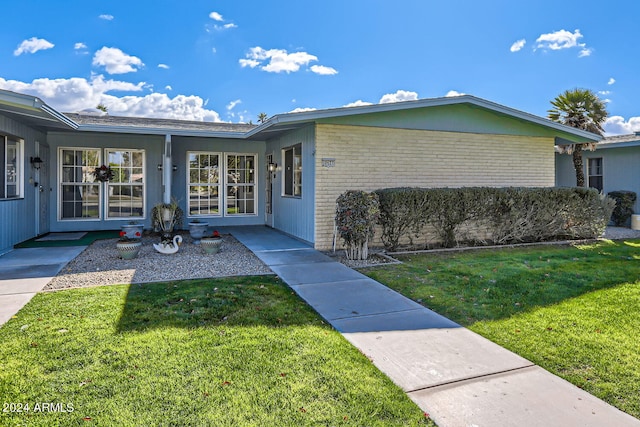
[{"x": 369, "y": 158}]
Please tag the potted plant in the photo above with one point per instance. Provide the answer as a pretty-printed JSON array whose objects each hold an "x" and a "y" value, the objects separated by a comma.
[
  {"x": 166, "y": 217},
  {"x": 128, "y": 247},
  {"x": 197, "y": 229},
  {"x": 211, "y": 244},
  {"x": 133, "y": 230}
]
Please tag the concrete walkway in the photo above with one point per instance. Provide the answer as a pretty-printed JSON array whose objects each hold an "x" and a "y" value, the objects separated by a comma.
[
  {"x": 24, "y": 272},
  {"x": 455, "y": 375}
]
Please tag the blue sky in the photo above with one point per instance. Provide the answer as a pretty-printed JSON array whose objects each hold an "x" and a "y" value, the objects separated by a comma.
[{"x": 231, "y": 60}]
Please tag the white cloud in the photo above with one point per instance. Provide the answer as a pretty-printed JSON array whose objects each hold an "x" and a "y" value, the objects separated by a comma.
[
  {"x": 302, "y": 110},
  {"x": 276, "y": 60},
  {"x": 585, "y": 52},
  {"x": 116, "y": 61},
  {"x": 229, "y": 25},
  {"x": 214, "y": 50},
  {"x": 163, "y": 66},
  {"x": 617, "y": 125},
  {"x": 323, "y": 71},
  {"x": 32, "y": 45},
  {"x": 454, "y": 93},
  {"x": 358, "y": 103},
  {"x": 611, "y": 81},
  {"x": 563, "y": 39},
  {"x": 399, "y": 96},
  {"x": 604, "y": 92},
  {"x": 77, "y": 94},
  {"x": 106, "y": 17},
  {"x": 518, "y": 45},
  {"x": 168, "y": 87},
  {"x": 232, "y": 104},
  {"x": 79, "y": 46},
  {"x": 216, "y": 16}
]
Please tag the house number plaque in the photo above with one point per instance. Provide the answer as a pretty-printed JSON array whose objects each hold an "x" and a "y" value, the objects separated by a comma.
[{"x": 328, "y": 163}]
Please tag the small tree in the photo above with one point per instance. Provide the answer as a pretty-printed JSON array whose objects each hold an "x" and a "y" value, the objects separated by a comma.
[
  {"x": 356, "y": 215},
  {"x": 262, "y": 117}
]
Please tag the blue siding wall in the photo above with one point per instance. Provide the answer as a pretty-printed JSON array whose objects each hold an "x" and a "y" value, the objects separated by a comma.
[
  {"x": 295, "y": 216},
  {"x": 620, "y": 168},
  {"x": 18, "y": 217}
]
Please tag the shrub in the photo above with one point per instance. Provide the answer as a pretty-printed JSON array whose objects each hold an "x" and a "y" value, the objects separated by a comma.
[
  {"x": 356, "y": 215},
  {"x": 494, "y": 215},
  {"x": 624, "y": 206}
]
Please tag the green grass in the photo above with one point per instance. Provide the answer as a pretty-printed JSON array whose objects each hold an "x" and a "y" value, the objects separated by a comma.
[
  {"x": 228, "y": 352},
  {"x": 572, "y": 310}
]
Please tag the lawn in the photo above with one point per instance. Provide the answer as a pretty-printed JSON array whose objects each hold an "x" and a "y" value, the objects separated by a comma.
[
  {"x": 226, "y": 352},
  {"x": 572, "y": 310}
]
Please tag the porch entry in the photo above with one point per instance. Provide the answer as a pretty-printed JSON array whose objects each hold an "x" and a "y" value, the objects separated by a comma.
[{"x": 268, "y": 205}]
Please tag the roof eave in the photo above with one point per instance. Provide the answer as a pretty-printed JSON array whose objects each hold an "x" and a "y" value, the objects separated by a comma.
[
  {"x": 160, "y": 131},
  {"x": 312, "y": 116}
]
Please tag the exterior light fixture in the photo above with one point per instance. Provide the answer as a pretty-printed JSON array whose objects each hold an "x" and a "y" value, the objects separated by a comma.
[
  {"x": 273, "y": 167},
  {"x": 36, "y": 162}
]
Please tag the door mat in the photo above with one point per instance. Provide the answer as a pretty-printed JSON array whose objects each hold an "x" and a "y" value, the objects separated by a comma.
[
  {"x": 85, "y": 240},
  {"x": 54, "y": 237}
]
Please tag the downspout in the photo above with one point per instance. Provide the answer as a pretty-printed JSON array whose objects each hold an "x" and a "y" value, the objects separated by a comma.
[{"x": 167, "y": 169}]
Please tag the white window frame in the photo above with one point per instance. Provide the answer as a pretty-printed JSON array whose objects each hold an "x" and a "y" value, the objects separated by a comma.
[
  {"x": 600, "y": 175},
  {"x": 109, "y": 184},
  {"x": 19, "y": 167},
  {"x": 296, "y": 177},
  {"x": 61, "y": 184},
  {"x": 219, "y": 184},
  {"x": 255, "y": 184}
]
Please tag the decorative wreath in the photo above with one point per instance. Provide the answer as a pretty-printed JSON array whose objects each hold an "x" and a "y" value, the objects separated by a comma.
[{"x": 103, "y": 173}]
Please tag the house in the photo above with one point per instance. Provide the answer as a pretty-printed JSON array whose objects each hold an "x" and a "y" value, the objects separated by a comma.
[
  {"x": 285, "y": 173},
  {"x": 614, "y": 165}
]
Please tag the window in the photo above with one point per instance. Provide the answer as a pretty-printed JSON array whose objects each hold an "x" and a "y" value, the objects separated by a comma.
[
  {"x": 594, "y": 170},
  {"x": 125, "y": 195},
  {"x": 203, "y": 183},
  {"x": 293, "y": 171},
  {"x": 80, "y": 192},
  {"x": 11, "y": 167},
  {"x": 240, "y": 184}
]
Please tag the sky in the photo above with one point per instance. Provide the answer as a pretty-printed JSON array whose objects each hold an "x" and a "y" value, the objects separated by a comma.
[{"x": 224, "y": 60}]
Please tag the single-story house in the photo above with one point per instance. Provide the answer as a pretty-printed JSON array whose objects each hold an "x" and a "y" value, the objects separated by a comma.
[
  {"x": 285, "y": 173},
  {"x": 614, "y": 165}
]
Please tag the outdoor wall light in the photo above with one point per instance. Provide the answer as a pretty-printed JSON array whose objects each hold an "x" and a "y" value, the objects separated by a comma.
[
  {"x": 174, "y": 168},
  {"x": 36, "y": 162},
  {"x": 273, "y": 167},
  {"x": 159, "y": 167}
]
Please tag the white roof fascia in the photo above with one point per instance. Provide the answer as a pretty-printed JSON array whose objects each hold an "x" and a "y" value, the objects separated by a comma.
[
  {"x": 29, "y": 102},
  {"x": 308, "y": 116}
]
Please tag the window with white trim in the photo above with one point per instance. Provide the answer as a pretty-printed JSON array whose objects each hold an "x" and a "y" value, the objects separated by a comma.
[
  {"x": 594, "y": 172},
  {"x": 125, "y": 192},
  {"x": 79, "y": 190},
  {"x": 203, "y": 183},
  {"x": 292, "y": 182},
  {"x": 240, "y": 183},
  {"x": 11, "y": 167}
]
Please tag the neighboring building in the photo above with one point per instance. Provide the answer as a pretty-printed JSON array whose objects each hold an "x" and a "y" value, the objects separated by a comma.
[
  {"x": 285, "y": 173},
  {"x": 613, "y": 166}
]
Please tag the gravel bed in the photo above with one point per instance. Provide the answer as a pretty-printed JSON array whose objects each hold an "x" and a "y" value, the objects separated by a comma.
[{"x": 100, "y": 264}]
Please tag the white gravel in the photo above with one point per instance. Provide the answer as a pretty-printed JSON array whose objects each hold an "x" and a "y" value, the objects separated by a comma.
[
  {"x": 615, "y": 233},
  {"x": 100, "y": 264}
]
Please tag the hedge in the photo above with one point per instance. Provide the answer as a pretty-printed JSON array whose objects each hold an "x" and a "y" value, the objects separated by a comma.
[
  {"x": 624, "y": 206},
  {"x": 476, "y": 216}
]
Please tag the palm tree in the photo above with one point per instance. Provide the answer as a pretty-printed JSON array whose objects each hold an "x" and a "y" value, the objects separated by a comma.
[
  {"x": 262, "y": 117},
  {"x": 582, "y": 109}
]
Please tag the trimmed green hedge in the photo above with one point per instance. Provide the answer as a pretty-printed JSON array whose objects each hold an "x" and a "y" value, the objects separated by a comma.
[
  {"x": 485, "y": 215},
  {"x": 624, "y": 206}
]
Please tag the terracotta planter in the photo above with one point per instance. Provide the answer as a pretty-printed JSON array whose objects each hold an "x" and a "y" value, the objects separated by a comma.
[
  {"x": 211, "y": 245},
  {"x": 197, "y": 230},
  {"x": 129, "y": 250}
]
